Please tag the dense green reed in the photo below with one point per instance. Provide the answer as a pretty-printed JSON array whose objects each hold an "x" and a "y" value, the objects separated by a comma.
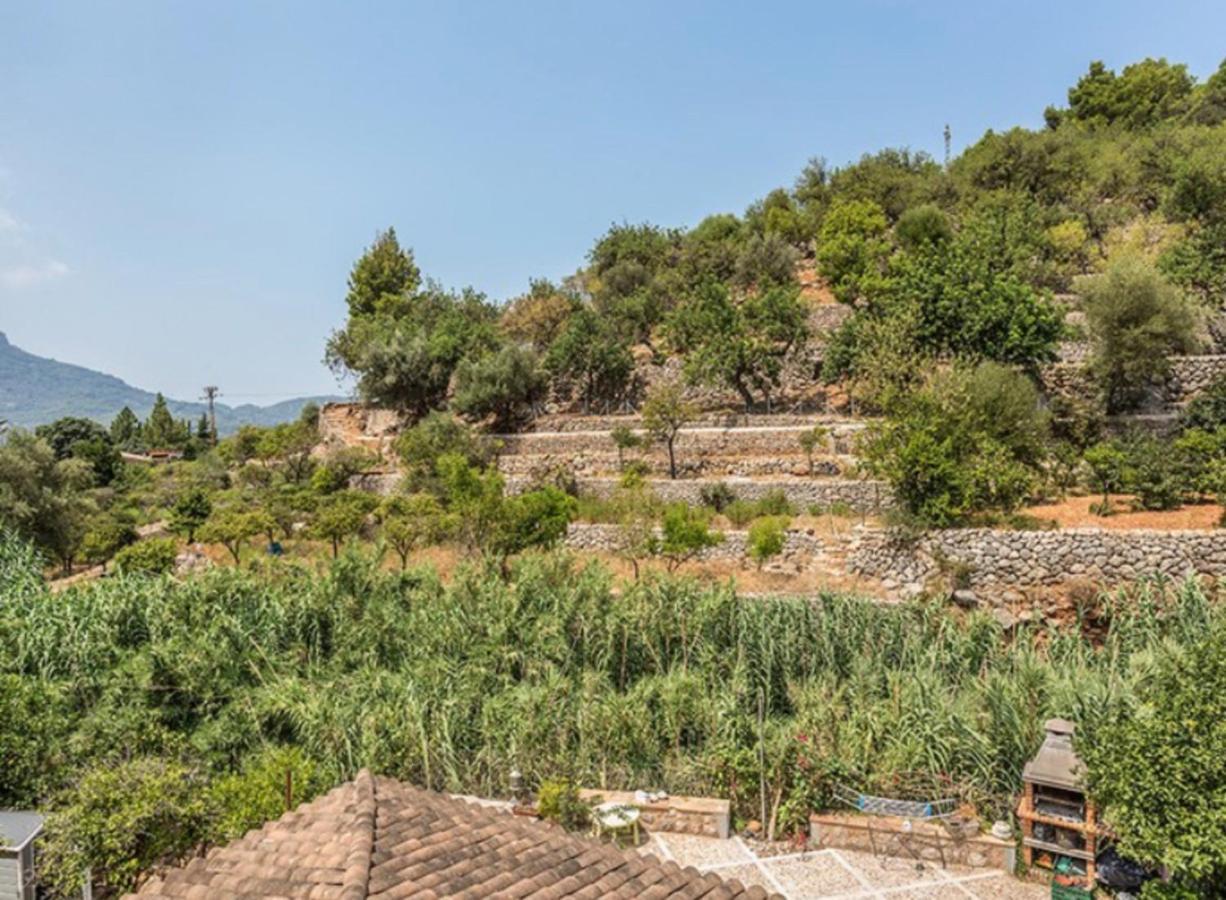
[{"x": 558, "y": 672}]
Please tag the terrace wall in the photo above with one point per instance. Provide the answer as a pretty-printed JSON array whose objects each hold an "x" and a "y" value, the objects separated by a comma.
[
  {"x": 998, "y": 557},
  {"x": 858, "y": 496}
]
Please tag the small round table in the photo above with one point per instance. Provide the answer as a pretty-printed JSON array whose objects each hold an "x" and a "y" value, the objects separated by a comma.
[{"x": 616, "y": 818}]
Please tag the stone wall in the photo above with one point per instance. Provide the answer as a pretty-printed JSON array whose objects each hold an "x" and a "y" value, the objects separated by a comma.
[
  {"x": 356, "y": 425},
  {"x": 858, "y": 496},
  {"x": 997, "y": 557},
  {"x": 772, "y": 438},
  {"x": 705, "y": 816},
  {"x": 799, "y": 545},
  {"x": 889, "y": 836},
  {"x": 1190, "y": 375},
  {"x": 705, "y": 465}
]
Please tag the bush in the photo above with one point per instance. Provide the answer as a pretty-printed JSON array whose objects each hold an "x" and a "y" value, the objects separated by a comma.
[
  {"x": 1155, "y": 767},
  {"x": 1136, "y": 321},
  {"x": 740, "y": 512},
  {"x": 766, "y": 538},
  {"x": 718, "y": 496},
  {"x": 152, "y": 556},
  {"x": 1153, "y": 474},
  {"x": 558, "y": 801},
  {"x": 969, "y": 441},
  {"x": 122, "y": 818},
  {"x": 504, "y": 387},
  {"x": 773, "y": 503},
  {"x": 437, "y": 435}
]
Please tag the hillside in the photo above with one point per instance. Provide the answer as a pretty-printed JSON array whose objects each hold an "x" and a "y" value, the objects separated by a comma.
[{"x": 35, "y": 389}]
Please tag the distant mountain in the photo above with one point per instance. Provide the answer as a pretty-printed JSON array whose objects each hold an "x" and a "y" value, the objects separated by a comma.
[{"x": 35, "y": 390}]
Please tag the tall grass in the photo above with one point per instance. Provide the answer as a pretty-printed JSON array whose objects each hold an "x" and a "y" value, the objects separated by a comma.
[{"x": 557, "y": 672}]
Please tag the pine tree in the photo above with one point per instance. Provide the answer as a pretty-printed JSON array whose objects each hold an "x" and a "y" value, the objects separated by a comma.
[
  {"x": 125, "y": 428},
  {"x": 384, "y": 273},
  {"x": 203, "y": 433},
  {"x": 160, "y": 429}
]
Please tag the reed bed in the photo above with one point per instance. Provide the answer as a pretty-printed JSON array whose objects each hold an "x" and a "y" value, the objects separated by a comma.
[{"x": 559, "y": 671}]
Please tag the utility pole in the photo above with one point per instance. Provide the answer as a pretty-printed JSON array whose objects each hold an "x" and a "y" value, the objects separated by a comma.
[
  {"x": 210, "y": 393},
  {"x": 948, "y": 135}
]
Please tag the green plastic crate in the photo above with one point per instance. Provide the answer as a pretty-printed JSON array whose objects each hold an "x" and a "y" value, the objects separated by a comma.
[{"x": 1064, "y": 892}]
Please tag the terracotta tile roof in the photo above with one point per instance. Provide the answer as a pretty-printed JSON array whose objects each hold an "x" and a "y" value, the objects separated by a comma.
[{"x": 376, "y": 837}]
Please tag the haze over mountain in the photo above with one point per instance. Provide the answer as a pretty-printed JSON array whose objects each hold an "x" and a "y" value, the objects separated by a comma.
[{"x": 35, "y": 389}]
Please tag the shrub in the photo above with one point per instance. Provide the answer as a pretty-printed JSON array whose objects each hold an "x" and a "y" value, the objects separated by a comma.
[
  {"x": 767, "y": 536},
  {"x": 122, "y": 818},
  {"x": 152, "y": 556},
  {"x": 685, "y": 532},
  {"x": 558, "y": 801},
  {"x": 740, "y": 512},
  {"x": 1136, "y": 321},
  {"x": 1154, "y": 766},
  {"x": 504, "y": 387},
  {"x": 1153, "y": 474},
  {"x": 717, "y": 496},
  {"x": 774, "y": 503},
  {"x": 969, "y": 441}
]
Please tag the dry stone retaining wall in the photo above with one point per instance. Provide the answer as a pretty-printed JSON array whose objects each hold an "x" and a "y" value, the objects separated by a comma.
[
  {"x": 801, "y": 545},
  {"x": 859, "y": 496},
  {"x": 702, "y": 440},
  {"x": 996, "y": 557}
]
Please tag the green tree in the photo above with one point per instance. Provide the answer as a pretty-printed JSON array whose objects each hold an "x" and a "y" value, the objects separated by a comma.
[
  {"x": 107, "y": 535},
  {"x": 538, "y": 317},
  {"x": 505, "y": 387},
  {"x": 231, "y": 528},
  {"x": 766, "y": 538},
  {"x": 971, "y": 440},
  {"x": 1144, "y": 94},
  {"x": 1159, "y": 770},
  {"x": 535, "y": 519},
  {"x": 961, "y": 304},
  {"x": 624, "y": 438},
  {"x": 72, "y": 437},
  {"x": 191, "y": 510},
  {"x": 852, "y": 246},
  {"x": 152, "y": 556},
  {"x": 437, "y": 435},
  {"x": 290, "y": 444},
  {"x": 412, "y": 522},
  {"x": 383, "y": 277},
  {"x": 1136, "y": 321},
  {"x": 685, "y": 532},
  {"x": 125, "y": 429},
  {"x": 740, "y": 345},
  {"x": 404, "y": 347},
  {"x": 923, "y": 226},
  {"x": 592, "y": 355},
  {"x": 247, "y": 799},
  {"x": 161, "y": 431},
  {"x": 1106, "y": 462},
  {"x": 45, "y": 500},
  {"x": 342, "y": 515},
  {"x": 122, "y": 818},
  {"x": 810, "y": 440},
  {"x": 665, "y": 413}
]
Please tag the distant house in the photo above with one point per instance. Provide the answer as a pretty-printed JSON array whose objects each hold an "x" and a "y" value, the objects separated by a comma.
[
  {"x": 375, "y": 837},
  {"x": 18, "y": 831},
  {"x": 158, "y": 455}
]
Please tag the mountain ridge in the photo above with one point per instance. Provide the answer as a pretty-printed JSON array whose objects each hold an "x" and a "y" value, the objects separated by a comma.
[{"x": 37, "y": 389}]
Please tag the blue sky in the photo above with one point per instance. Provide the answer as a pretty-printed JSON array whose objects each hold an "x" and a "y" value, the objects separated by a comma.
[{"x": 184, "y": 185}]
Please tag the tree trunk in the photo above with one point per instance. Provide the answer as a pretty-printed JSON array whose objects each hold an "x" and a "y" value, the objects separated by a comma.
[
  {"x": 336, "y": 548},
  {"x": 672, "y": 460}
]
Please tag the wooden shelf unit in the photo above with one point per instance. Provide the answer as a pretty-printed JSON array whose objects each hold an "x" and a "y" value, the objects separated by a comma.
[{"x": 1088, "y": 832}]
